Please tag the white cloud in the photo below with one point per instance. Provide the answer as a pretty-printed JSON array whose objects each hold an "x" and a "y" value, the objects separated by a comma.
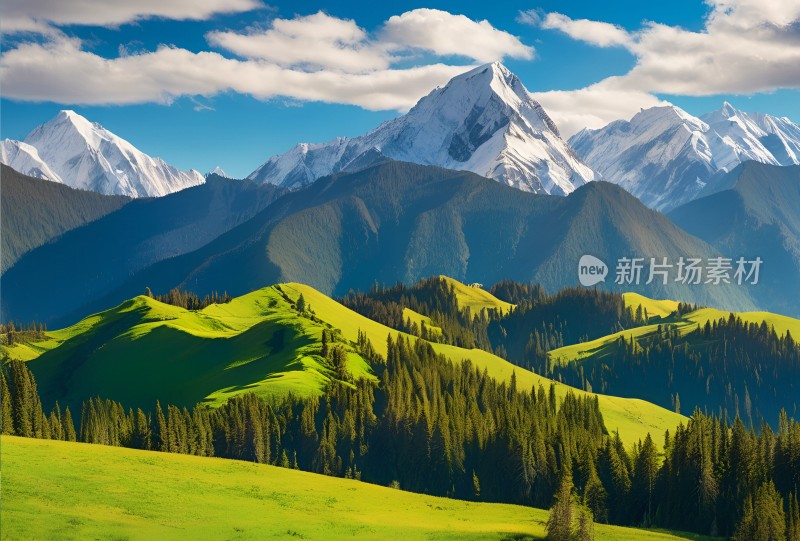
[
  {"x": 594, "y": 32},
  {"x": 36, "y": 15},
  {"x": 746, "y": 46},
  {"x": 531, "y": 17},
  {"x": 593, "y": 106},
  {"x": 320, "y": 41},
  {"x": 61, "y": 71},
  {"x": 308, "y": 58},
  {"x": 446, "y": 34},
  {"x": 314, "y": 42}
]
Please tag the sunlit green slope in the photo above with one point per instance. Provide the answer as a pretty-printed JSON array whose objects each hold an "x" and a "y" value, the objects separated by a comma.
[
  {"x": 58, "y": 490},
  {"x": 144, "y": 350},
  {"x": 665, "y": 313}
]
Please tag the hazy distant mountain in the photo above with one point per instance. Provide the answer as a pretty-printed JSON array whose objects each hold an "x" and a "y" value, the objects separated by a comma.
[
  {"x": 483, "y": 121},
  {"x": 87, "y": 263},
  {"x": 82, "y": 154},
  {"x": 34, "y": 211},
  {"x": 756, "y": 215},
  {"x": 400, "y": 222},
  {"x": 667, "y": 157}
]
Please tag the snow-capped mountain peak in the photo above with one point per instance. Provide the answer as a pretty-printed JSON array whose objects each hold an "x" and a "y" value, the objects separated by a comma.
[
  {"x": 25, "y": 158},
  {"x": 667, "y": 157},
  {"x": 483, "y": 121},
  {"x": 71, "y": 149},
  {"x": 757, "y": 136},
  {"x": 219, "y": 172}
]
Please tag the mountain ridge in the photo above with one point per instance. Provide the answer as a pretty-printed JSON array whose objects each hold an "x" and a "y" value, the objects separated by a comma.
[
  {"x": 667, "y": 157},
  {"x": 400, "y": 222},
  {"x": 483, "y": 121},
  {"x": 74, "y": 151}
]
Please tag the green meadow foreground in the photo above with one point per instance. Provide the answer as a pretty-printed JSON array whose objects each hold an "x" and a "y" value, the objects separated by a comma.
[{"x": 58, "y": 490}]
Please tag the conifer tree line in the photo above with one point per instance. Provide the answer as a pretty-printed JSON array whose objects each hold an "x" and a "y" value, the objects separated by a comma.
[
  {"x": 730, "y": 367},
  {"x": 540, "y": 322},
  {"x": 189, "y": 300},
  {"x": 434, "y": 298},
  {"x": 12, "y": 333},
  {"x": 430, "y": 426}
]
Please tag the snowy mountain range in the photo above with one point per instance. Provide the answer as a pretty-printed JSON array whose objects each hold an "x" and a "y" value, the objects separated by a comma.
[
  {"x": 483, "y": 121},
  {"x": 667, "y": 157},
  {"x": 74, "y": 151}
]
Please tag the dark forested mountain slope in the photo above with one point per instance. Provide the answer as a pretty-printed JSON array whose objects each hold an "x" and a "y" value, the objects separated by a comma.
[
  {"x": 34, "y": 211},
  {"x": 392, "y": 222},
  {"x": 87, "y": 263},
  {"x": 758, "y": 215},
  {"x": 400, "y": 222}
]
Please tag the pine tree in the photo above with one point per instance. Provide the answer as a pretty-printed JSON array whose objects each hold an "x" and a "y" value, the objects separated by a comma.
[
  {"x": 301, "y": 304},
  {"x": 69, "y": 426},
  {"x": 793, "y": 519},
  {"x": 160, "y": 433},
  {"x": 595, "y": 496},
  {"x": 339, "y": 362},
  {"x": 644, "y": 478},
  {"x": 559, "y": 523},
  {"x": 6, "y": 418},
  {"x": 585, "y": 529},
  {"x": 324, "y": 352},
  {"x": 763, "y": 518}
]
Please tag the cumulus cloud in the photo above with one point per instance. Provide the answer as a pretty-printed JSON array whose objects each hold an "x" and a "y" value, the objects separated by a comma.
[
  {"x": 594, "y": 106},
  {"x": 37, "y": 15},
  {"x": 446, "y": 34},
  {"x": 594, "y": 32},
  {"x": 313, "y": 42},
  {"x": 307, "y": 58},
  {"x": 61, "y": 71},
  {"x": 321, "y": 41},
  {"x": 745, "y": 47}
]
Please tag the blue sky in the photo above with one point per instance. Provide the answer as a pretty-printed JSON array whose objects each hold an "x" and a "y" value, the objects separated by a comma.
[{"x": 609, "y": 56}]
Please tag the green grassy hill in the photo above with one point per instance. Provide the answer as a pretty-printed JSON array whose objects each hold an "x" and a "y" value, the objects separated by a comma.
[
  {"x": 57, "y": 490},
  {"x": 606, "y": 345},
  {"x": 143, "y": 350},
  {"x": 476, "y": 299},
  {"x": 734, "y": 367}
]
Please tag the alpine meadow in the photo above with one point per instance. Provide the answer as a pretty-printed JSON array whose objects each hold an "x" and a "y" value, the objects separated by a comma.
[{"x": 534, "y": 276}]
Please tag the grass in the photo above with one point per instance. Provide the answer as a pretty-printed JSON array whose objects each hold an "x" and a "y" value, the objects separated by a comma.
[
  {"x": 475, "y": 298},
  {"x": 419, "y": 319},
  {"x": 143, "y": 350},
  {"x": 666, "y": 310},
  {"x": 660, "y": 308},
  {"x": 63, "y": 491}
]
